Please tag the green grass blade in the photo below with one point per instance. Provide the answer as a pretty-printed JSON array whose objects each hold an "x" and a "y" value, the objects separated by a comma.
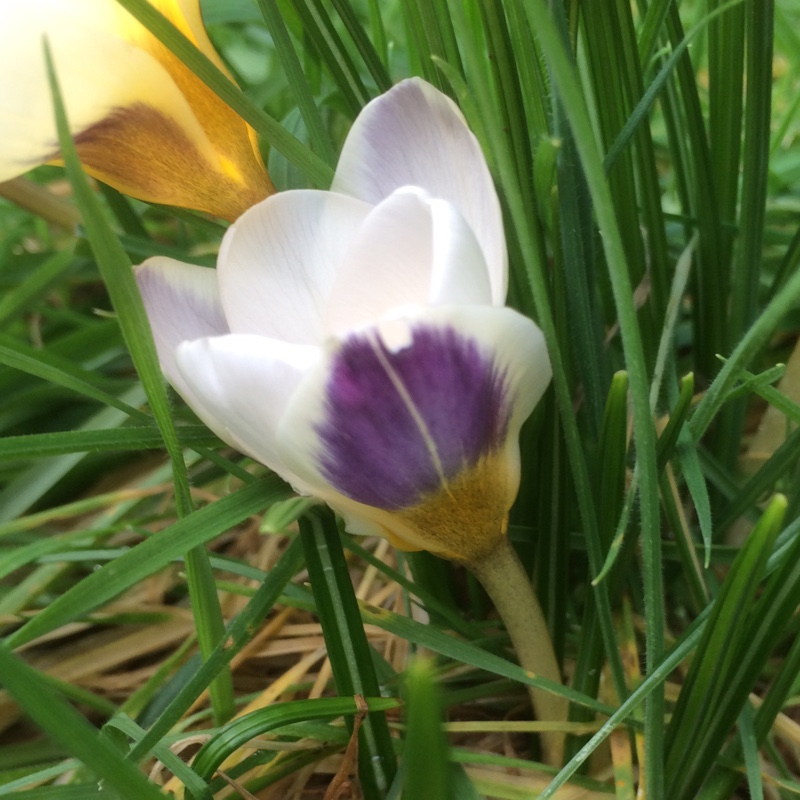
[
  {"x": 333, "y": 52},
  {"x": 141, "y": 437},
  {"x": 425, "y": 764},
  {"x": 644, "y": 433},
  {"x": 238, "y": 634},
  {"x": 369, "y": 54},
  {"x": 244, "y": 729},
  {"x": 298, "y": 83},
  {"x": 150, "y": 556},
  {"x": 689, "y": 737},
  {"x": 70, "y": 729},
  {"x": 348, "y": 650}
]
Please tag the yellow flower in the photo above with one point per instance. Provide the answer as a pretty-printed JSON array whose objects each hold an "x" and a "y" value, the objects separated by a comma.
[{"x": 142, "y": 121}]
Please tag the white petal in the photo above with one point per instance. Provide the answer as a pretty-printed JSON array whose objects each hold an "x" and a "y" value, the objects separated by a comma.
[
  {"x": 279, "y": 261},
  {"x": 98, "y": 70},
  {"x": 182, "y": 303},
  {"x": 411, "y": 250},
  {"x": 512, "y": 347},
  {"x": 240, "y": 386},
  {"x": 415, "y": 135}
]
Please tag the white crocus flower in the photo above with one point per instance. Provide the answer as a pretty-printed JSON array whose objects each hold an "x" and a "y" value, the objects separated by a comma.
[{"x": 355, "y": 341}]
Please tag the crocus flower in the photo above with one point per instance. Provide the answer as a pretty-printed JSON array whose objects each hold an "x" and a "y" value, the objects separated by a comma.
[
  {"x": 356, "y": 341},
  {"x": 142, "y": 121}
]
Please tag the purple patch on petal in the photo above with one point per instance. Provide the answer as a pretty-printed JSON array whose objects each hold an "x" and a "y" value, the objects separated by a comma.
[{"x": 375, "y": 450}]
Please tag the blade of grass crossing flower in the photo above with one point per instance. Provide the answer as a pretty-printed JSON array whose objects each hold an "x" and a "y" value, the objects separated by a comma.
[
  {"x": 534, "y": 260},
  {"x": 644, "y": 433},
  {"x": 553, "y": 506},
  {"x": 348, "y": 649},
  {"x": 70, "y": 729},
  {"x": 425, "y": 761},
  {"x": 278, "y": 137},
  {"x": 118, "y": 278},
  {"x": 298, "y": 83}
]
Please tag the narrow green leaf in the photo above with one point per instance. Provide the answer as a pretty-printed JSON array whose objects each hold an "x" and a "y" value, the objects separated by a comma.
[
  {"x": 298, "y": 83},
  {"x": 238, "y": 634},
  {"x": 140, "y": 437},
  {"x": 348, "y": 649},
  {"x": 256, "y": 723},
  {"x": 150, "y": 556},
  {"x": 17, "y": 300},
  {"x": 425, "y": 764},
  {"x": 688, "y": 754},
  {"x": 60, "y": 721},
  {"x": 361, "y": 40}
]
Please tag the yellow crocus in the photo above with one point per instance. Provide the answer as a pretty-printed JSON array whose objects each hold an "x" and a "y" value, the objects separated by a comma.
[{"x": 142, "y": 121}]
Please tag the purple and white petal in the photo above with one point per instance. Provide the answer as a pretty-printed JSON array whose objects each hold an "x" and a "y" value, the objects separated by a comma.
[
  {"x": 410, "y": 250},
  {"x": 397, "y": 410},
  {"x": 279, "y": 260},
  {"x": 182, "y": 303},
  {"x": 240, "y": 385},
  {"x": 415, "y": 135}
]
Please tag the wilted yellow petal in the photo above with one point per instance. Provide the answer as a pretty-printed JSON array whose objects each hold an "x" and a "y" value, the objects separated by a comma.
[{"x": 142, "y": 121}]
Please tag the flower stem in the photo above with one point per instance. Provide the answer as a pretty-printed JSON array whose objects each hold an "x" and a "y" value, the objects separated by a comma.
[{"x": 502, "y": 575}]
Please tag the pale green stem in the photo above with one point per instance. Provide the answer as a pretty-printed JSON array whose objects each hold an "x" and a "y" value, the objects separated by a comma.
[{"x": 507, "y": 583}]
